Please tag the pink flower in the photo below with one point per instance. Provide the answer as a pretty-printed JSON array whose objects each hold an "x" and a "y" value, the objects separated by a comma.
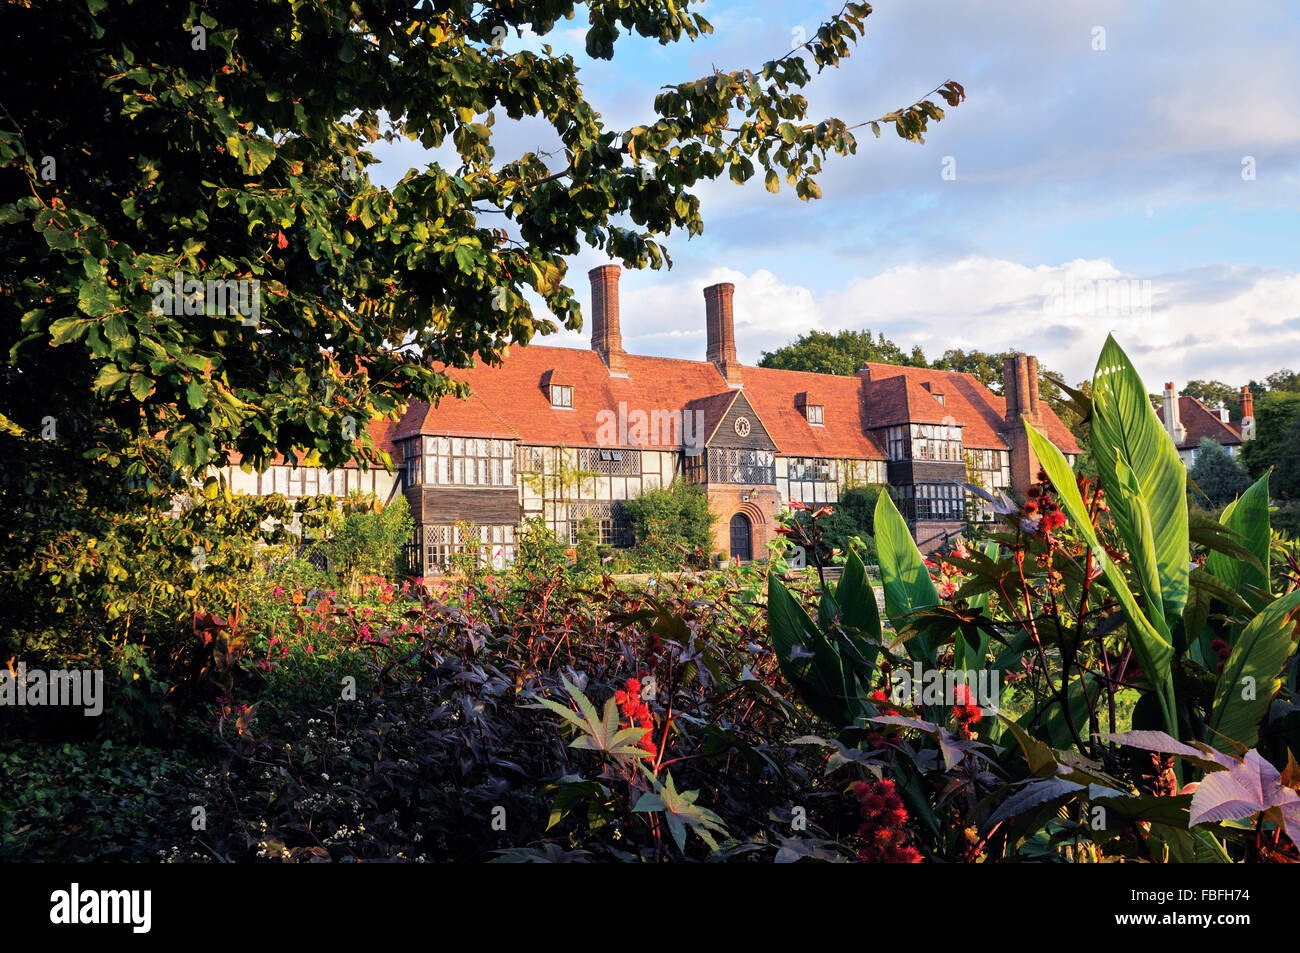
[
  {"x": 311, "y": 648},
  {"x": 279, "y": 591}
]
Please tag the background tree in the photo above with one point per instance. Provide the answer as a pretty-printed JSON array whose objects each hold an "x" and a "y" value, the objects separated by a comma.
[
  {"x": 366, "y": 538},
  {"x": 841, "y": 352},
  {"x": 1218, "y": 476},
  {"x": 1274, "y": 444},
  {"x": 1216, "y": 394},
  {"x": 1286, "y": 478}
]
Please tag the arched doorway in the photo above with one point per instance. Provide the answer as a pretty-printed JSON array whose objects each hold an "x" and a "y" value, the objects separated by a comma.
[{"x": 742, "y": 546}]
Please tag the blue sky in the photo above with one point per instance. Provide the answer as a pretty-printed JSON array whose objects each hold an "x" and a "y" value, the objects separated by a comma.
[{"x": 1156, "y": 143}]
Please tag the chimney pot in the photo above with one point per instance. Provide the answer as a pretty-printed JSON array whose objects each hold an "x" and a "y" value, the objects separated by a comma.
[{"x": 1173, "y": 416}]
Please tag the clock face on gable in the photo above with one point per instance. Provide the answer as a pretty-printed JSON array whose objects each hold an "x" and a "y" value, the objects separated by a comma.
[{"x": 742, "y": 426}]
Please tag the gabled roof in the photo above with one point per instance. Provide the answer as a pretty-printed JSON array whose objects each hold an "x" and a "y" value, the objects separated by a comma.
[
  {"x": 514, "y": 394},
  {"x": 980, "y": 412},
  {"x": 1200, "y": 421},
  {"x": 714, "y": 408}
]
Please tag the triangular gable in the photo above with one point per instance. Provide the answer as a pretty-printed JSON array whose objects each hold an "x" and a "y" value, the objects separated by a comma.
[{"x": 731, "y": 421}]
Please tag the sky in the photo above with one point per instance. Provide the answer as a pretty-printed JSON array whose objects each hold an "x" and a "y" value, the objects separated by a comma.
[{"x": 1118, "y": 167}]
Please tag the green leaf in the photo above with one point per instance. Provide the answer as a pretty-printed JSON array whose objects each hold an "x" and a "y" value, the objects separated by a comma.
[
  {"x": 259, "y": 154},
  {"x": 1152, "y": 644},
  {"x": 1145, "y": 484},
  {"x": 908, "y": 586},
  {"x": 142, "y": 387},
  {"x": 821, "y": 680},
  {"x": 109, "y": 376},
  {"x": 1251, "y": 675},
  {"x": 680, "y": 812},
  {"x": 1247, "y": 516},
  {"x": 772, "y": 181},
  {"x": 1038, "y": 756},
  {"x": 195, "y": 395},
  {"x": 68, "y": 329},
  {"x": 856, "y": 597},
  {"x": 466, "y": 260}
]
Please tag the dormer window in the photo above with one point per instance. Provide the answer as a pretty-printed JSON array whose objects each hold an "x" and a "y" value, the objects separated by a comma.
[
  {"x": 559, "y": 389},
  {"x": 812, "y": 409},
  {"x": 939, "y": 398}
]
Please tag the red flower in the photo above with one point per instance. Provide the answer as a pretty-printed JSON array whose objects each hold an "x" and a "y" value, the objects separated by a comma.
[
  {"x": 965, "y": 713},
  {"x": 884, "y": 821},
  {"x": 636, "y": 714}
]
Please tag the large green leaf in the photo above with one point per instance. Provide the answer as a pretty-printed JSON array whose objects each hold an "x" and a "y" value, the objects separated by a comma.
[
  {"x": 908, "y": 586},
  {"x": 1150, "y": 642},
  {"x": 821, "y": 680},
  {"x": 856, "y": 598},
  {"x": 1251, "y": 676},
  {"x": 1247, "y": 516},
  {"x": 1145, "y": 483}
]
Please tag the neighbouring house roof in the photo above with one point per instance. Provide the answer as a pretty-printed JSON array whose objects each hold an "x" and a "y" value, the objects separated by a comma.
[
  {"x": 1200, "y": 421},
  {"x": 511, "y": 400}
]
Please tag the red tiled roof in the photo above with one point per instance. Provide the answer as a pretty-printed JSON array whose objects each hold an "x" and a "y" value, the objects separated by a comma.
[
  {"x": 980, "y": 412},
  {"x": 515, "y": 395},
  {"x": 842, "y": 434},
  {"x": 1200, "y": 421},
  {"x": 510, "y": 400},
  {"x": 453, "y": 417},
  {"x": 382, "y": 434}
]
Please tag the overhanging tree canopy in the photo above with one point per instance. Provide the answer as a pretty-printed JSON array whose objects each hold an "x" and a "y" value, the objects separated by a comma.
[{"x": 141, "y": 142}]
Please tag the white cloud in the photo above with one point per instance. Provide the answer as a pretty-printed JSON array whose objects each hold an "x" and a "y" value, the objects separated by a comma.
[{"x": 1228, "y": 323}]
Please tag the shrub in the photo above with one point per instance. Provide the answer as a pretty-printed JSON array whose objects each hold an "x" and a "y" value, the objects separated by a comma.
[
  {"x": 850, "y": 524},
  {"x": 1220, "y": 478},
  {"x": 672, "y": 526},
  {"x": 366, "y": 537},
  {"x": 538, "y": 551}
]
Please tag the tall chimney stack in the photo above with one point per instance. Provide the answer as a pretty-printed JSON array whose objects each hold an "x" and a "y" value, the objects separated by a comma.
[
  {"x": 606, "y": 338},
  {"x": 1020, "y": 389},
  {"x": 1173, "y": 416},
  {"x": 1247, "y": 413},
  {"x": 720, "y": 325}
]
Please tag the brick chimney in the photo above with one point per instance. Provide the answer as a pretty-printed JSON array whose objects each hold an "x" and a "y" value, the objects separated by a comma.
[
  {"x": 1247, "y": 413},
  {"x": 1173, "y": 416},
  {"x": 606, "y": 339},
  {"x": 720, "y": 325},
  {"x": 1020, "y": 388}
]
